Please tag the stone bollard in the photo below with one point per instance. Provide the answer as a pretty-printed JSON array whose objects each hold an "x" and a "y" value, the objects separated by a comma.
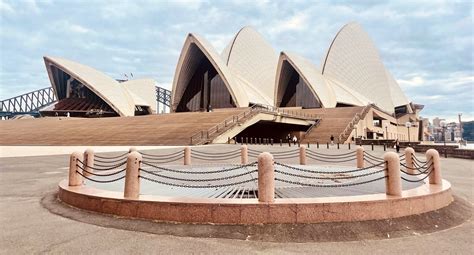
[
  {"x": 132, "y": 149},
  {"x": 244, "y": 156},
  {"x": 302, "y": 155},
  {"x": 360, "y": 156},
  {"x": 266, "y": 178},
  {"x": 433, "y": 156},
  {"x": 75, "y": 179},
  {"x": 187, "y": 155},
  {"x": 132, "y": 181},
  {"x": 393, "y": 182},
  {"x": 409, "y": 160},
  {"x": 88, "y": 162}
]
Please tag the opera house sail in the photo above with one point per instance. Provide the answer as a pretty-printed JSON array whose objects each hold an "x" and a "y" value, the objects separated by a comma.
[{"x": 84, "y": 91}]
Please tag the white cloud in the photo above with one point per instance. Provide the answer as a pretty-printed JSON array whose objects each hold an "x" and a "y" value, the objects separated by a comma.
[{"x": 6, "y": 8}]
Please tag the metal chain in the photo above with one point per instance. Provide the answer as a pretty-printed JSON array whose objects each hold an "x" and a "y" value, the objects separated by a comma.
[
  {"x": 331, "y": 185},
  {"x": 108, "y": 162},
  {"x": 418, "y": 160},
  {"x": 197, "y": 186},
  {"x": 372, "y": 162},
  {"x": 422, "y": 179},
  {"x": 113, "y": 157},
  {"x": 419, "y": 172},
  {"x": 275, "y": 152},
  {"x": 100, "y": 181},
  {"x": 329, "y": 155},
  {"x": 330, "y": 158},
  {"x": 92, "y": 173},
  {"x": 101, "y": 165},
  {"x": 161, "y": 155},
  {"x": 214, "y": 158},
  {"x": 162, "y": 162},
  {"x": 103, "y": 169},
  {"x": 200, "y": 180},
  {"x": 199, "y": 172},
  {"x": 327, "y": 172},
  {"x": 163, "y": 158},
  {"x": 331, "y": 161},
  {"x": 328, "y": 178},
  {"x": 416, "y": 168},
  {"x": 216, "y": 153}
]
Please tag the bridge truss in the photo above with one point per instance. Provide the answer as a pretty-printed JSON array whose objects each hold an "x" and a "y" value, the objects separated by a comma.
[{"x": 30, "y": 103}]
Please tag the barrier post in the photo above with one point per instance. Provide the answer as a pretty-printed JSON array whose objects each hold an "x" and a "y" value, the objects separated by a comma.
[
  {"x": 271, "y": 141},
  {"x": 75, "y": 179},
  {"x": 393, "y": 181},
  {"x": 409, "y": 160},
  {"x": 327, "y": 145},
  {"x": 349, "y": 146},
  {"x": 433, "y": 156},
  {"x": 187, "y": 155},
  {"x": 372, "y": 146},
  {"x": 360, "y": 156},
  {"x": 281, "y": 142},
  {"x": 132, "y": 173},
  {"x": 266, "y": 178},
  {"x": 88, "y": 162},
  {"x": 384, "y": 147},
  {"x": 317, "y": 145},
  {"x": 244, "y": 156},
  {"x": 308, "y": 144},
  {"x": 302, "y": 155},
  {"x": 338, "y": 145}
]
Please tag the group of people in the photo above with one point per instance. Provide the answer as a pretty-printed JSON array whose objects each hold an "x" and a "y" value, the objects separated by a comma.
[{"x": 295, "y": 140}]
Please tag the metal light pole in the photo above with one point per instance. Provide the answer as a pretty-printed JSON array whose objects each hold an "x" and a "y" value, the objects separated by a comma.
[
  {"x": 408, "y": 125},
  {"x": 355, "y": 128},
  {"x": 386, "y": 132}
]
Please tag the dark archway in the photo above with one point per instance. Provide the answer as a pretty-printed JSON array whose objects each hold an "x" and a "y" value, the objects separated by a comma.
[{"x": 294, "y": 92}]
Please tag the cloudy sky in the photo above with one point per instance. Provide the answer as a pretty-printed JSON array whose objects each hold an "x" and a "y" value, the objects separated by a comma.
[{"x": 427, "y": 45}]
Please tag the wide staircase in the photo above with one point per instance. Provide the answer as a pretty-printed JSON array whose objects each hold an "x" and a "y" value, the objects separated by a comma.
[
  {"x": 165, "y": 129},
  {"x": 333, "y": 122}
]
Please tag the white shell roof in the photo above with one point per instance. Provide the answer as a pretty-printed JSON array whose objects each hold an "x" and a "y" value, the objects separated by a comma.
[
  {"x": 184, "y": 69},
  {"x": 108, "y": 89},
  {"x": 143, "y": 92},
  {"x": 250, "y": 57},
  {"x": 312, "y": 77},
  {"x": 354, "y": 60}
]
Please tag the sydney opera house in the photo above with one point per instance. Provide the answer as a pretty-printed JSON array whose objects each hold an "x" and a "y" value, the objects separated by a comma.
[{"x": 351, "y": 90}]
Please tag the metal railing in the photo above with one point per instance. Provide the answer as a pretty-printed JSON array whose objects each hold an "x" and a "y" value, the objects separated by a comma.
[
  {"x": 28, "y": 103},
  {"x": 347, "y": 131},
  {"x": 204, "y": 136}
]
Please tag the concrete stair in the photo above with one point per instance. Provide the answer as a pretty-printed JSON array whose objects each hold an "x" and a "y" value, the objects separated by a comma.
[
  {"x": 333, "y": 122},
  {"x": 164, "y": 129}
]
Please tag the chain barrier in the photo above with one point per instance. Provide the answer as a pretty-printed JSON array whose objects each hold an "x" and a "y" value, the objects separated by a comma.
[
  {"x": 157, "y": 161},
  {"x": 274, "y": 152},
  {"x": 372, "y": 163},
  {"x": 109, "y": 162},
  {"x": 113, "y": 157},
  {"x": 372, "y": 157},
  {"x": 343, "y": 155},
  {"x": 419, "y": 171},
  {"x": 327, "y": 172},
  {"x": 216, "y": 153},
  {"x": 215, "y": 158},
  {"x": 200, "y": 172},
  {"x": 198, "y": 186},
  {"x": 417, "y": 168},
  {"x": 177, "y": 156},
  {"x": 160, "y": 155},
  {"x": 103, "y": 165},
  {"x": 332, "y": 160},
  {"x": 102, "y": 175},
  {"x": 328, "y": 178},
  {"x": 418, "y": 160},
  {"x": 103, "y": 169},
  {"x": 331, "y": 185},
  {"x": 419, "y": 180},
  {"x": 199, "y": 180},
  {"x": 421, "y": 166},
  {"x": 100, "y": 181}
]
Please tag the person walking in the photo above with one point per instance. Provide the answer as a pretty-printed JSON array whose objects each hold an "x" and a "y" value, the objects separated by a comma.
[
  {"x": 397, "y": 145},
  {"x": 295, "y": 139},
  {"x": 332, "y": 140}
]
